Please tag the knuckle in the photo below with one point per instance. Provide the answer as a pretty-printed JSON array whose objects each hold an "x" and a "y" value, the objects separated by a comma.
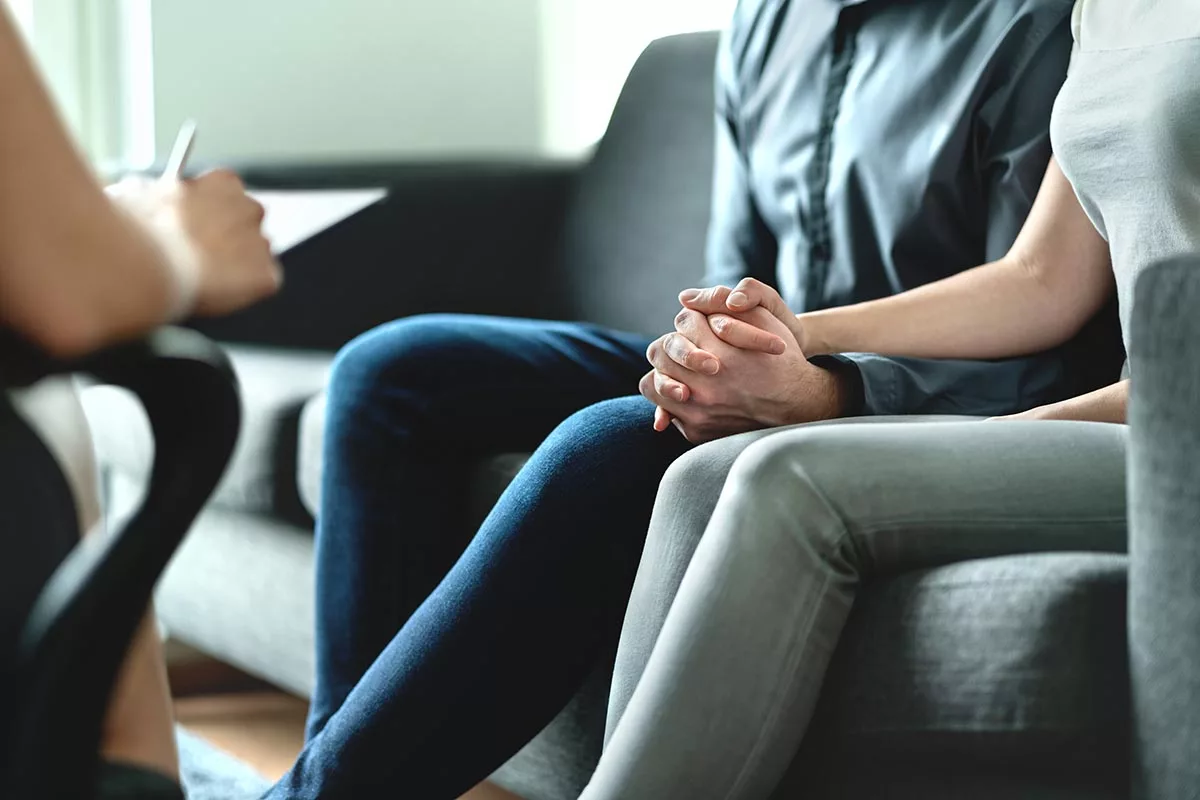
[
  {"x": 226, "y": 179},
  {"x": 686, "y": 320},
  {"x": 646, "y": 386},
  {"x": 257, "y": 210},
  {"x": 677, "y": 349}
]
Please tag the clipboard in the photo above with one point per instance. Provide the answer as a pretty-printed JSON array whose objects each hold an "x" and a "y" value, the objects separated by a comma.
[{"x": 295, "y": 216}]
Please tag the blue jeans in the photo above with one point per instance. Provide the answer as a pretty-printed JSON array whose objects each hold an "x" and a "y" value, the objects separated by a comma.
[{"x": 436, "y": 665}]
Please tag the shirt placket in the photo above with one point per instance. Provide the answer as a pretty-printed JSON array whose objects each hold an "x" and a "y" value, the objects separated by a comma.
[{"x": 819, "y": 229}]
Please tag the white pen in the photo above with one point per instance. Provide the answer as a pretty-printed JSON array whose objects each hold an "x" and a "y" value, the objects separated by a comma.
[{"x": 180, "y": 153}]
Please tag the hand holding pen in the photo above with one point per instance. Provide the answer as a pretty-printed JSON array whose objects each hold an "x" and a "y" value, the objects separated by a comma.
[{"x": 210, "y": 231}]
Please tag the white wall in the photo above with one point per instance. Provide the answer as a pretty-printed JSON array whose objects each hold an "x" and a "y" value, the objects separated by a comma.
[
  {"x": 22, "y": 11},
  {"x": 352, "y": 78},
  {"x": 590, "y": 46},
  {"x": 328, "y": 78}
]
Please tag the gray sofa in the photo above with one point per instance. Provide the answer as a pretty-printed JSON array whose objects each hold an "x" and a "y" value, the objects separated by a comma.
[{"x": 1004, "y": 678}]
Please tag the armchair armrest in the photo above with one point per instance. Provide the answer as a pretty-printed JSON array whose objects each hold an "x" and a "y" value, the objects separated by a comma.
[
  {"x": 463, "y": 237},
  {"x": 1164, "y": 535},
  {"x": 89, "y": 610}
]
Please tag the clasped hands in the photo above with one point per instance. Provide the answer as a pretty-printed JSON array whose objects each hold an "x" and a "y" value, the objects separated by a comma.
[{"x": 735, "y": 362}]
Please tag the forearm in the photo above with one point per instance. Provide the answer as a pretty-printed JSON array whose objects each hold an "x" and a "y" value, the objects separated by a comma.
[
  {"x": 1055, "y": 278},
  {"x": 1110, "y": 404},
  {"x": 993, "y": 311},
  {"x": 75, "y": 272}
]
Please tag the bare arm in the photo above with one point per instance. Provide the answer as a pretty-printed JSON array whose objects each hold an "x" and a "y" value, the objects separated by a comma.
[
  {"x": 74, "y": 271},
  {"x": 1110, "y": 404},
  {"x": 79, "y": 270},
  {"x": 1054, "y": 279}
]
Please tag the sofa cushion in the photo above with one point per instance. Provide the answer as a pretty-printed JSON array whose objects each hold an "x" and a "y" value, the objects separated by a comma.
[
  {"x": 996, "y": 679},
  {"x": 1012, "y": 667},
  {"x": 262, "y": 475}
]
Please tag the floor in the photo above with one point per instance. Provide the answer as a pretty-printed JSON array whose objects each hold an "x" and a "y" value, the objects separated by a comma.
[{"x": 259, "y": 725}]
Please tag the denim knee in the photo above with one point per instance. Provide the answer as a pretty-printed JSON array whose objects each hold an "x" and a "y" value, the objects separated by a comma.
[
  {"x": 408, "y": 352},
  {"x": 610, "y": 430}
]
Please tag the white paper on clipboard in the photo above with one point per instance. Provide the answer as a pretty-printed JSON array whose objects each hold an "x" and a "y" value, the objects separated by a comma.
[{"x": 295, "y": 216}]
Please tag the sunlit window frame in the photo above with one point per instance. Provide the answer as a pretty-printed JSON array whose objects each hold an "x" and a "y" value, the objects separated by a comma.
[{"x": 96, "y": 58}]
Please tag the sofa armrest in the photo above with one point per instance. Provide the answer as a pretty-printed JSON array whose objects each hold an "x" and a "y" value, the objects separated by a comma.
[
  {"x": 1164, "y": 579},
  {"x": 461, "y": 237}
]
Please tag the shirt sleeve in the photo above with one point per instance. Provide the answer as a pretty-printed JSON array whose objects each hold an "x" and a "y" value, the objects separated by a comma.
[
  {"x": 1014, "y": 133},
  {"x": 740, "y": 245},
  {"x": 884, "y": 385},
  {"x": 1014, "y": 125}
]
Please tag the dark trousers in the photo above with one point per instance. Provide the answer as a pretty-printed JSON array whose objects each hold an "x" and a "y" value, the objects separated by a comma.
[{"x": 436, "y": 665}]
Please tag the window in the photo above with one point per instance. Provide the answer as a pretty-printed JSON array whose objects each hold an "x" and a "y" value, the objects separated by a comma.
[
  {"x": 23, "y": 11},
  {"x": 95, "y": 58}
]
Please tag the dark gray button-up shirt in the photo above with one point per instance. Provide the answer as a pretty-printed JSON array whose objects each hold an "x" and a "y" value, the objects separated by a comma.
[{"x": 865, "y": 148}]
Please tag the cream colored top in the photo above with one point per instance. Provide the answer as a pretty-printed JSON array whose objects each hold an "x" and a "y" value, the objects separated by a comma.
[{"x": 1126, "y": 130}]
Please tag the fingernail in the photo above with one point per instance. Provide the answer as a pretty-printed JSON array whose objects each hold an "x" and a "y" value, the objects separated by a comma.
[
  {"x": 711, "y": 366},
  {"x": 688, "y": 295},
  {"x": 677, "y": 393},
  {"x": 738, "y": 299},
  {"x": 778, "y": 348}
]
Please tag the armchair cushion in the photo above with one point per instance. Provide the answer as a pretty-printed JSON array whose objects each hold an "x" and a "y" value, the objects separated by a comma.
[
  {"x": 262, "y": 476},
  {"x": 1164, "y": 530}
]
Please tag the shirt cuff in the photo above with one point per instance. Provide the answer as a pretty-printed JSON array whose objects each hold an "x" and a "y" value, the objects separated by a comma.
[{"x": 848, "y": 371}]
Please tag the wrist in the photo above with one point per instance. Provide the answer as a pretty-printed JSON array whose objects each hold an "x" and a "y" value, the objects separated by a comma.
[
  {"x": 177, "y": 261},
  {"x": 821, "y": 394},
  {"x": 815, "y": 325},
  {"x": 183, "y": 270},
  {"x": 153, "y": 209}
]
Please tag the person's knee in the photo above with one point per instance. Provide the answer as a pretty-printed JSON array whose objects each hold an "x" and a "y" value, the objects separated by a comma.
[
  {"x": 703, "y": 468},
  {"x": 794, "y": 453},
  {"x": 786, "y": 487},
  {"x": 406, "y": 352},
  {"x": 614, "y": 426},
  {"x": 686, "y": 497},
  {"x": 615, "y": 438}
]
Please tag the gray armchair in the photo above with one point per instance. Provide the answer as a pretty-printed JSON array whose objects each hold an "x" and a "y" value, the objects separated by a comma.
[{"x": 1164, "y": 533}]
